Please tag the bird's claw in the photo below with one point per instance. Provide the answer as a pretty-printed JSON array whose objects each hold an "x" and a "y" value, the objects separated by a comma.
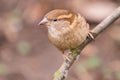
[
  {"x": 90, "y": 35},
  {"x": 66, "y": 57}
]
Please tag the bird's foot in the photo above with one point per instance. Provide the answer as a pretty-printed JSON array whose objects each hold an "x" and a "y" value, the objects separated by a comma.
[
  {"x": 90, "y": 35},
  {"x": 65, "y": 57}
]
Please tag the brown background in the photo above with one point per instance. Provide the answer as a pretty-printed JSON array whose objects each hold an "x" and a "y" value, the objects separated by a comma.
[{"x": 27, "y": 54}]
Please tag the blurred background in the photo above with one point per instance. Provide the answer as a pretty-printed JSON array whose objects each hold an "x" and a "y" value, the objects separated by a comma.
[{"x": 27, "y": 54}]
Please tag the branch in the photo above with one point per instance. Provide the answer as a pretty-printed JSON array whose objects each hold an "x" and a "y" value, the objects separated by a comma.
[{"x": 61, "y": 74}]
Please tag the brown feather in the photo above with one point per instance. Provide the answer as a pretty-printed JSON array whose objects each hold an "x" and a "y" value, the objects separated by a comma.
[{"x": 69, "y": 32}]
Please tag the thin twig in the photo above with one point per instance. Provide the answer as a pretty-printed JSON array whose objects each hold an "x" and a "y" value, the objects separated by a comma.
[{"x": 61, "y": 74}]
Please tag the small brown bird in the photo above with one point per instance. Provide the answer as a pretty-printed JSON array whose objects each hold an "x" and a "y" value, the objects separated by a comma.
[{"x": 66, "y": 29}]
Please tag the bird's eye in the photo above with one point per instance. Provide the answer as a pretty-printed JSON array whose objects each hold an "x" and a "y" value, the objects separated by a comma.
[{"x": 55, "y": 20}]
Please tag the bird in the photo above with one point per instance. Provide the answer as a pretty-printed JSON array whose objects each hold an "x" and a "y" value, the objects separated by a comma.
[{"x": 66, "y": 29}]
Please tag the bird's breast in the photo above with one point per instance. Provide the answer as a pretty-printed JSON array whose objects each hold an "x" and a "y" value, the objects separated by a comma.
[{"x": 53, "y": 32}]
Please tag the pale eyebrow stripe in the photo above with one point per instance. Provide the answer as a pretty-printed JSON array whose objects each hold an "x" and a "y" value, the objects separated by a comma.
[{"x": 65, "y": 16}]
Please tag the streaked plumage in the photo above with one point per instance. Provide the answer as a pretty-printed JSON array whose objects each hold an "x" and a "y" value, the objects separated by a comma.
[{"x": 66, "y": 29}]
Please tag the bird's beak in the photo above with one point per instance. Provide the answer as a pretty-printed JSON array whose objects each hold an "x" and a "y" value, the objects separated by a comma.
[{"x": 42, "y": 22}]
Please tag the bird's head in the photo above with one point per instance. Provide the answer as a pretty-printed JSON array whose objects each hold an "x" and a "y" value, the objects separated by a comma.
[{"x": 58, "y": 19}]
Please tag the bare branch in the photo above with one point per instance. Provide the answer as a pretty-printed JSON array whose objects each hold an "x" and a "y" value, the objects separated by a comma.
[{"x": 61, "y": 74}]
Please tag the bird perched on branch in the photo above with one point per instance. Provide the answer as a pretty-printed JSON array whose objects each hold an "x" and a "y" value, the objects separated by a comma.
[{"x": 66, "y": 29}]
